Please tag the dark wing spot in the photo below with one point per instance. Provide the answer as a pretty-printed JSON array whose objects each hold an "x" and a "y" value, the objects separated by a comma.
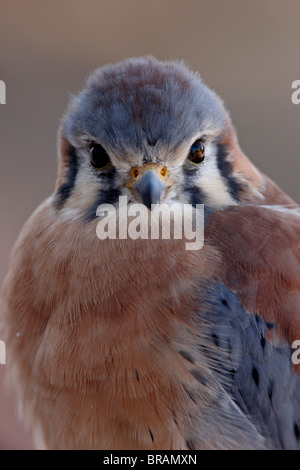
[
  {"x": 296, "y": 430},
  {"x": 225, "y": 303},
  {"x": 270, "y": 391},
  {"x": 187, "y": 356},
  {"x": 255, "y": 375},
  {"x": 216, "y": 339},
  {"x": 151, "y": 435},
  {"x": 190, "y": 394},
  {"x": 198, "y": 376}
]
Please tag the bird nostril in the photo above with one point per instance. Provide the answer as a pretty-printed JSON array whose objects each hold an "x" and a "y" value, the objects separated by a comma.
[
  {"x": 135, "y": 172},
  {"x": 163, "y": 171}
]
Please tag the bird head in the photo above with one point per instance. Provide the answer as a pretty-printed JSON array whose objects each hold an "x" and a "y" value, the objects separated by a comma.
[{"x": 154, "y": 132}]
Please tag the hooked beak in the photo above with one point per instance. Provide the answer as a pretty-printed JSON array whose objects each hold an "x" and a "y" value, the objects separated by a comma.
[{"x": 150, "y": 188}]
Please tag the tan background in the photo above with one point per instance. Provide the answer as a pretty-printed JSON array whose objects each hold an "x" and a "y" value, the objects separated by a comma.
[{"x": 248, "y": 51}]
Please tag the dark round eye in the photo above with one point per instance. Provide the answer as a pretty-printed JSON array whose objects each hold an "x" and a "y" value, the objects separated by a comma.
[
  {"x": 197, "y": 152},
  {"x": 99, "y": 158}
]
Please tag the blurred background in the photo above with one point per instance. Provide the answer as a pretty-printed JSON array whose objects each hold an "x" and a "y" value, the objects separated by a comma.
[{"x": 246, "y": 50}]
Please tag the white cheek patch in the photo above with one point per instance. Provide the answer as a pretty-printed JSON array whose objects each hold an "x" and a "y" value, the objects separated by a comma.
[
  {"x": 84, "y": 195},
  {"x": 87, "y": 190},
  {"x": 211, "y": 182}
]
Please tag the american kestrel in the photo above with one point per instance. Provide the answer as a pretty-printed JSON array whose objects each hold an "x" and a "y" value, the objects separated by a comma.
[{"x": 140, "y": 343}]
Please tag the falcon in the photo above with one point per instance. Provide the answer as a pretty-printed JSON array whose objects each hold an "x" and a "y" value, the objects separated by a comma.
[{"x": 134, "y": 343}]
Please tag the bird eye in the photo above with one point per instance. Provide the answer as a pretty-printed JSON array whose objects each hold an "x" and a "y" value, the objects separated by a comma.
[
  {"x": 99, "y": 158},
  {"x": 197, "y": 152}
]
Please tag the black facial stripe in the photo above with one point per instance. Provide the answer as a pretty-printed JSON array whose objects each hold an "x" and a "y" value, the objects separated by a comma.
[
  {"x": 195, "y": 195},
  {"x": 109, "y": 196},
  {"x": 106, "y": 196},
  {"x": 225, "y": 168},
  {"x": 65, "y": 190}
]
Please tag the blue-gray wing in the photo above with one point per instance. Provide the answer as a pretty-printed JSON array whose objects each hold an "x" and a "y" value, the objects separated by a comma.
[{"x": 256, "y": 373}]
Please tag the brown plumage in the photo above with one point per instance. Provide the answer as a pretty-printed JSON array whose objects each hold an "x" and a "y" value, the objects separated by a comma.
[{"x": 111, "y": 343}]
